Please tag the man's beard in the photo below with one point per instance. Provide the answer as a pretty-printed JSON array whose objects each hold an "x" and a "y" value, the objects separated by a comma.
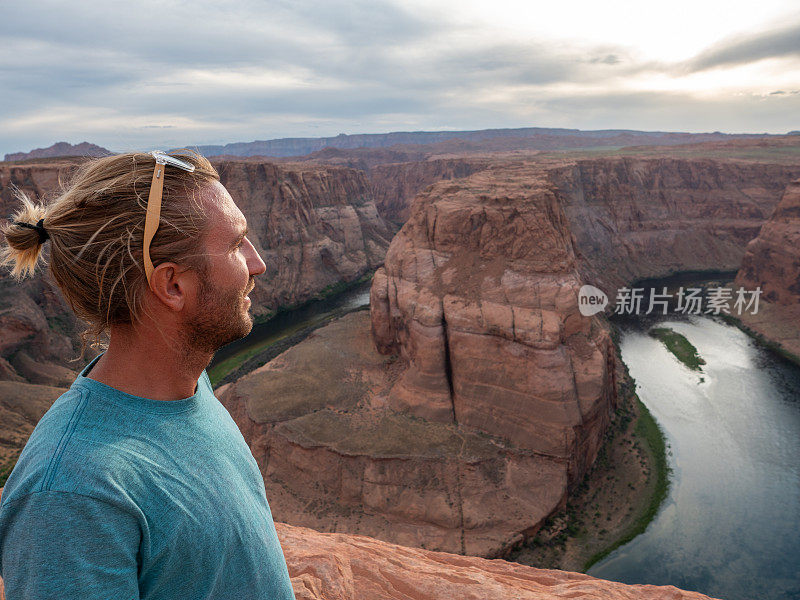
[{"x": 219, "y": 320}]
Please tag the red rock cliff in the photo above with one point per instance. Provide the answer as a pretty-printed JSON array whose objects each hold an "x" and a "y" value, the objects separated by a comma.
[
  {"x": 772, "y": 263},
  {"x": 772, "y": 259},
  {"x": 497, "y": 402},
  {"x": 476, "y": 315},
  {"x": 395, "y": 185},
  {"x": 637, "y": 218},
  {"x": 314, "y": 226},
  {"x": 479, "y": 295}
]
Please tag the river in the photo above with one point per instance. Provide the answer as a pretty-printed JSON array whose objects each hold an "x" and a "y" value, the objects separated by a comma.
[{"x": 729, "y": 526}]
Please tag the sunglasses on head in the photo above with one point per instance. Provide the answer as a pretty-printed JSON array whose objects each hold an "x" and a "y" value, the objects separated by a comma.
[{"x": 154, "y": 202}]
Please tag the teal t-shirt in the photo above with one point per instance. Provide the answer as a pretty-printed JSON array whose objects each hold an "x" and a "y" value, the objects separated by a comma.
[{"x": 120, "y": 497}]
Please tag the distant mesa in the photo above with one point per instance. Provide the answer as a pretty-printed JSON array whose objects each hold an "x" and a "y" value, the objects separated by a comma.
[
  {"x": 523, "y": 138},
  {"x": 61, "y": 149}
]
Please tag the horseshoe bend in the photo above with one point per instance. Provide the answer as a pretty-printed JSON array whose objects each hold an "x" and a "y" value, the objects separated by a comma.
[{"x": 463, "y": 410}]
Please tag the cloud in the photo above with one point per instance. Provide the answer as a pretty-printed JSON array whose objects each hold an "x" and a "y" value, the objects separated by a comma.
[
  {"x": 212, "y": 71},
  {"x": 777, "y": 43}
]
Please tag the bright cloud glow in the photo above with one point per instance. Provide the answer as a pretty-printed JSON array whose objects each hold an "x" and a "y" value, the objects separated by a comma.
[{"x": 215, "y": 72}]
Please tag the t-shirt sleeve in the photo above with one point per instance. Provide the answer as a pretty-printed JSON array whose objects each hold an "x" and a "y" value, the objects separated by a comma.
[{"x": 68, "y": 546}]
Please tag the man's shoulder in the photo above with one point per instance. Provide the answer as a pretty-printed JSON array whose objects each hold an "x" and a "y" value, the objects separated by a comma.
[{"x": 59, "y": 457}]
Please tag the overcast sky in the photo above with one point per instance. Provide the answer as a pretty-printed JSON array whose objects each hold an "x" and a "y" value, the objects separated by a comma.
[{"x": 142, "y": 75}]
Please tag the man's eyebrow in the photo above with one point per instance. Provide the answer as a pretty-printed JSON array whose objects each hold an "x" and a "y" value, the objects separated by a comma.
[{"x": 240, "y": 238}]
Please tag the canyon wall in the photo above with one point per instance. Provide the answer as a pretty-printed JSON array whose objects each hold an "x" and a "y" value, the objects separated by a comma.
[
  {"x": 314, "y": 226},
  {"x": 636, "y": 218},
  {"x": 772, "y": 263},
  {"x": 772, "y": 259},
  {"x": 491, "y": 397},
  {"x": 395, "y": 185},
  {"x": 38, "y": 331}
]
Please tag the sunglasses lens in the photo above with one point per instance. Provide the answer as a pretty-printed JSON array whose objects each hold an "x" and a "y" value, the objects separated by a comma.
[{"x": 165, "y": 159}]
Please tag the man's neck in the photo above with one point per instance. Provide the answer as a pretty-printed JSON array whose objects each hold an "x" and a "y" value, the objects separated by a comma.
[{"x": 149, "y": 366}]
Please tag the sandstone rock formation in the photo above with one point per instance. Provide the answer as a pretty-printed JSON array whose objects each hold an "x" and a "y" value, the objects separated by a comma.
[
  {"x": 772, "y": 259},
  {"x": 345, "y": 567},
  {"x": 314, "y": 227},
  {"x": 772, "y": 263},
  {"x": 475, "y": 313},
  {"x": 334, "y": 458},
  {"x": 496, "y": 404}
]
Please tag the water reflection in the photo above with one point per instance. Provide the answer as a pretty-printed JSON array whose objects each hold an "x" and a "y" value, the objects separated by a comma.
[{"x": 729, "y": 527}]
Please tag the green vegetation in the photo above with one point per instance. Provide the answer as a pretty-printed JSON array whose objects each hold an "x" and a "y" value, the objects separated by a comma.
[
  {"x": 647, "y": 429},
  {"x": 682, "y": 348}
]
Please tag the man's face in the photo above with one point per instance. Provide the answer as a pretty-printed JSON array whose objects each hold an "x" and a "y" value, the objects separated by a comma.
[{"x": 220, "y": 314}]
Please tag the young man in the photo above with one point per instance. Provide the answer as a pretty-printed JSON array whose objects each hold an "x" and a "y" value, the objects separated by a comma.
[{"x": 137, "y": 483}]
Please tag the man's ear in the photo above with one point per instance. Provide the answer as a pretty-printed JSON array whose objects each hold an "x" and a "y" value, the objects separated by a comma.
[{"x": 173, "y": 285}]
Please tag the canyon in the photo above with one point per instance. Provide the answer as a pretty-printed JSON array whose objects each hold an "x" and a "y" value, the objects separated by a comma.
[
  {"x": 772, "y": 264},
  {"x": 315, "y": 226},
  {"x": 461, "y": 413}
]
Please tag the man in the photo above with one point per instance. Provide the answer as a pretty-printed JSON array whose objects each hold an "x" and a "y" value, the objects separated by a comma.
[{"x": 137, "y": 483}]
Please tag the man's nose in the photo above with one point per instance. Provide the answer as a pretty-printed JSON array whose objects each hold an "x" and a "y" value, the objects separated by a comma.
[{"x": 255, "y": 265}]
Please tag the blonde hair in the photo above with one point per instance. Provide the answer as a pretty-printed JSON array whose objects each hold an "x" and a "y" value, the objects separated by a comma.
[{"x": 96, "y": 230}]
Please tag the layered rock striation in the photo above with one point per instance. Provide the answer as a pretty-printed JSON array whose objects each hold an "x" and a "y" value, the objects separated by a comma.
[
  {"x": 395, "y": 185},
  {"x": 479, "y": 296},
  {"x": 772, "y": 259},
  {"x": 335, "y": 458},
  {"x": 772, "y": 264},
  {"x": 491, "y": 398},
  {"x": 637, "y": 218},
  {"x": 345, "y": 567},
  {"x": 314, "y": 226}
]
